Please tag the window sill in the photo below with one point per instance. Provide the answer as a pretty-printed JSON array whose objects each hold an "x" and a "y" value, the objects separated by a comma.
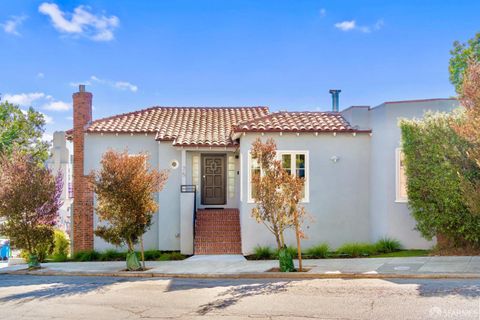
[{"x": 401, "y": 201}]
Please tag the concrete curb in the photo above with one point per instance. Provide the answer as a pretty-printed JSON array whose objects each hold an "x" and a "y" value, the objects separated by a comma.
[{"x": 253, "y": 275}]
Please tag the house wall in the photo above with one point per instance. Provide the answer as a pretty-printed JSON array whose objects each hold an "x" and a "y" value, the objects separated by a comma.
[
  {"x": 165, "y": 231},
  {"x": 339, "y": 191},
  {"x": 388, "y": 217}
]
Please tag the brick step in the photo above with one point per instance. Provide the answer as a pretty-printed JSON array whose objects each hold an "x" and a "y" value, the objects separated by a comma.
[
  {"x": 218, "y": 217},
  {"x": 218, "y": 232},
  {"x": 217, "y": 252},
  {"x": 226, "y": 246},
  {"x": 212, "y": 225},
  {"x": 225, "y": 238},
  {"x": 213, "y": 221},
  {"x": 210, "y": 232}
]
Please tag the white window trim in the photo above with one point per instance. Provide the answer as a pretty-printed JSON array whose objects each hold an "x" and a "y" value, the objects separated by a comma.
[
  {"x": 143, "y": 155},
  {"x": 306, "y": 199},
  {"x": 398, "y": 197}
]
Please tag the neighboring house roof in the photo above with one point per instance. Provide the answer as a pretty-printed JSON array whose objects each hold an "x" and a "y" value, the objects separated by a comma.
[
  {"x": 419, "y": 100},
  {"x": 185, "y": 126},
  {"x": 298, "y": 122}
]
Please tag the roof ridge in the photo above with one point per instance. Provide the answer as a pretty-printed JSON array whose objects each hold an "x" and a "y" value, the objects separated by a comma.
[
  {"x": 177, "y": 107},
  {"x": 419, "y": 100}
]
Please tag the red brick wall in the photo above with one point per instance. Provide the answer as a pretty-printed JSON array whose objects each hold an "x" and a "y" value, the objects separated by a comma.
[{"x": 82, "y": 193}]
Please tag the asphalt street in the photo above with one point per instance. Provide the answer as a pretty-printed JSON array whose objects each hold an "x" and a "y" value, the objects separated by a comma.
[{"x": 53, "y": 297}]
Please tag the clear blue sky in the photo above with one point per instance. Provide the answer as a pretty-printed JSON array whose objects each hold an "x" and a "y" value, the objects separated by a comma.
[{"x": 279, "y": 53}]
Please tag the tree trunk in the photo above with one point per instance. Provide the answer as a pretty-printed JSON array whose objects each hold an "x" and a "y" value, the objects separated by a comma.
[
  {"x": 143, "y": 252},
  {"x": 299, "y": 248},
  {"x": 282, "y": 240}
]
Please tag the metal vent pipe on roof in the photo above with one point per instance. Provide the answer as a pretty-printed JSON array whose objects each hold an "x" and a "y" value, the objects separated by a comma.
[{"x": 335, "y": 99}]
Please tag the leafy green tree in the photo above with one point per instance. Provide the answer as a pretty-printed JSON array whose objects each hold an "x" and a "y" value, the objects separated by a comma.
[
  {"x": 124, "y": 187},
  {"x": 22, "y": 130},
  {"x": 462, "y": 53},
  {"x": 29, "y": 203},
  {"x": 436, "y": 164}
]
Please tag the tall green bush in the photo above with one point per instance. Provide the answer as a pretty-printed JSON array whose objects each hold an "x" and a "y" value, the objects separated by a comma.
[
  {"x": 436, "y": 162},
  {"x": 61, "y": 246}
]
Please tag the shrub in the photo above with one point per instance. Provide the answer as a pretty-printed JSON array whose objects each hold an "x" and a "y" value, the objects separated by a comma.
[
  {"x": 176, "y": 256},
  {"x": 60, "y": 246},
  {"x": 87, "y": 255},
  {"x": 152, "y": 255},
  {"x": 318, "y": 252},
  {"x": 387, "y": 245},
  {"x": 263, "y": 253},
  {"x": 112, "y": 255},
  {"x": 436, "y": 163},
  {"x": 170, "y": 256},
  {"x": 43, "y": 249},
  {"x": 357, "y": 249}
]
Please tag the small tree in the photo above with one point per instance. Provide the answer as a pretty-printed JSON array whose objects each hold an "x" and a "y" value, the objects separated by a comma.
[
  {"x": 29, "y": 201},
  {"x": 277, "y": 195},
  {"x": 124, "y": 187}
]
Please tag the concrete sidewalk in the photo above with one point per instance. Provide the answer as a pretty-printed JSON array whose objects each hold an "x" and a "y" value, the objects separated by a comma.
[{"x": 238, "y": 267}]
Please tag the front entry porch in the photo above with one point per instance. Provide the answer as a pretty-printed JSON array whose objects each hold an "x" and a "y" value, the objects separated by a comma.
[{"x": 210, "y": 220}]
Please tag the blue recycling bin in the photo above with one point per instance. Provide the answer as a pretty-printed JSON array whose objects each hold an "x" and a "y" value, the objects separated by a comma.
[{"x": 4, "y": 249}]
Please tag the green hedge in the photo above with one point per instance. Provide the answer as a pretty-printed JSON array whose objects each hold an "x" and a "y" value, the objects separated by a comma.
[
  {"x": 113, "y": 255},
  {"x": 436, "y": 162}
]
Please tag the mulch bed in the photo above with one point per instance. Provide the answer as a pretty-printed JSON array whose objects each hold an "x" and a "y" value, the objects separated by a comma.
[{"x": 296, "y": 270}]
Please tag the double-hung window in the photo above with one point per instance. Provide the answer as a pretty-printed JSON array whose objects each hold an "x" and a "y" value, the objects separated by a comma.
[{"x": 294, "y": 162}]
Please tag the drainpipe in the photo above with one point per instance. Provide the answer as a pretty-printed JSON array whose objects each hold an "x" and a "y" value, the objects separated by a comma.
[{"x": 335, "y": 99}]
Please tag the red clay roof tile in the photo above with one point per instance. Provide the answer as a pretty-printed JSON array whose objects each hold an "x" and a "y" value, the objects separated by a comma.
[
  {"x": 297, "y": 122},
  {"x": 183, "y": 125}
]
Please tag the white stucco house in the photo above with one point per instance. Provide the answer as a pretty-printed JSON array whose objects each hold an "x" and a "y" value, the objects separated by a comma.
[
  {"x": 350, "y": 160},
  {"x": 60, "y": 162}
]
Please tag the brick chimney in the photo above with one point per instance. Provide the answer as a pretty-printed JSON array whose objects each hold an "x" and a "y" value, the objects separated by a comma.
[{"x": 82, "y": 192}]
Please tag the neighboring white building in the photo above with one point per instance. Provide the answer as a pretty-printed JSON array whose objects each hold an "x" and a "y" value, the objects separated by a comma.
[
  {"x": 350, "y": 160},
  {"x": 61, "y": 162}
]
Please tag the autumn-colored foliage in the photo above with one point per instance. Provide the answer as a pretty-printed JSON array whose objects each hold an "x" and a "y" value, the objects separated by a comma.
[
  {"x": 469, "y": 130},
  {"x": 29, "y": 201},
  {"x": 277, "y": 194},
  {"x": 125, "y": 186}
]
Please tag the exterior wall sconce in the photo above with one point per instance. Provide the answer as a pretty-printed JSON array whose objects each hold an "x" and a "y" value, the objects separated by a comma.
[{"x": 335, "y": 159}]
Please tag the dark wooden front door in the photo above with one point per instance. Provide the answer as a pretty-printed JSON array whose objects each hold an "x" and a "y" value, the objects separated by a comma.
[{"x": 213, "y": 179}]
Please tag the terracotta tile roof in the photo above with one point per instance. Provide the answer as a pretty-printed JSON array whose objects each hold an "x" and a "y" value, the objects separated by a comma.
[
  {"x": 185, "y": 126},
  {"x": 297, "y": 122}
]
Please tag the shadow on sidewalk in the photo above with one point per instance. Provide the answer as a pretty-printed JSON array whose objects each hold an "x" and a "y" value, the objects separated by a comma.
[
  {"x": 239, "y": 291},
  {"x": 55, "y": 286}
]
